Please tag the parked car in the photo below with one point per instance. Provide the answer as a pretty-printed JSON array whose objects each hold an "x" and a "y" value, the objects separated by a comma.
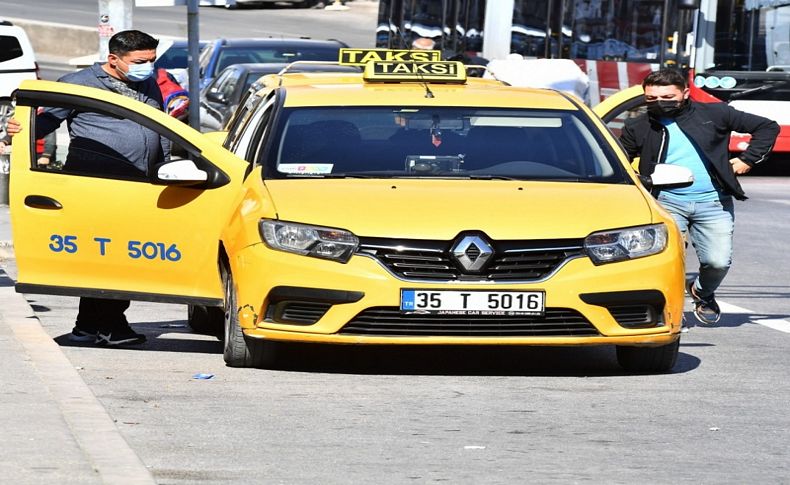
[
  {"x": 17, "y": 61},
  {"x": 220, "y": 99},
  {"x": 173, "y": 56},
  {"x": 237, "y": 3},
  {"x": 222, "y": 53}
]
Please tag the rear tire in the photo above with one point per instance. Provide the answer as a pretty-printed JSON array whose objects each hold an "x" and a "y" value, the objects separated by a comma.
[
  {"x": 240, "y": 351},
  {"x": 648, "y": 359},
  {"x": 206, "y": 320}
]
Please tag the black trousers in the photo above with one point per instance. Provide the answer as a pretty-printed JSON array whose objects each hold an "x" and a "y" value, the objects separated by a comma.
[{"x": 101, "y": 314}]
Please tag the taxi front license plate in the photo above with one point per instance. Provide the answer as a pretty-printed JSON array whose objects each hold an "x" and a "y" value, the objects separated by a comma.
[{"x": 468, "y": 302}]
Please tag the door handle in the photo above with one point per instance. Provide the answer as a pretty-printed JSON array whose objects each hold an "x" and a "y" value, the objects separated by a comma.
[{"x": 42, "y": 202}]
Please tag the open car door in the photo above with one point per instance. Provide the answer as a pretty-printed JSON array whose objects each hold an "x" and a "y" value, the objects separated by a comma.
[
  {"x": 619, "y": 106},
  {"x": 92, "y": 229}
]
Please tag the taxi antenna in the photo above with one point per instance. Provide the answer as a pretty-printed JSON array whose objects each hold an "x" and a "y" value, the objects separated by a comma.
[{"x": 410, "y": 47}]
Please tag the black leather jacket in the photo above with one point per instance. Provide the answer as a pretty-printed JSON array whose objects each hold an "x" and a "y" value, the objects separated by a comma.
[{"x": 708, "y": 125}]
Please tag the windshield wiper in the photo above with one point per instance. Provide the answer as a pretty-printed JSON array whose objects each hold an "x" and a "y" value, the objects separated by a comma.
[
  {"x": 490, "y": 177},
  {"x": 759, "y": 89}
]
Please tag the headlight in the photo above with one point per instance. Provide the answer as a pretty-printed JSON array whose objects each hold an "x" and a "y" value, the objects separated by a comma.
[
  {"x": 622, "y": 244},
  {"x": 319, "y": 242}
]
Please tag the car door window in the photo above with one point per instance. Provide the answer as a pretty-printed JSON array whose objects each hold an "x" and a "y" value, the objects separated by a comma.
[
  {"x": 254, "y": 131},
  {"x": 229, "y": 84},
  {"x": 616, "y": 119},
  {"x": 100, "y": 142},
  {"x": 217, "y": 85},
  {"x": 10, "y": 48}
]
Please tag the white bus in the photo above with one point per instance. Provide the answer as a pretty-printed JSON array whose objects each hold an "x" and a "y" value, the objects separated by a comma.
[{"x": 736, "y": 51}]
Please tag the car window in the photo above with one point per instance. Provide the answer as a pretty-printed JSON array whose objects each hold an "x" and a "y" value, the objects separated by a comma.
[
  {"x": 216, "y": 85},
  {"x": 254, "y": 130},
  {"x": 205, "y": 57},
  {"x": 441, "y": 142},
  {"x": 271, "y": 54},
  {"x": 616, "y": 118},
  {"x": 83, "y": 141},
  {"x": 9, "y": 48},
  {"x": 228, "y": 85}
]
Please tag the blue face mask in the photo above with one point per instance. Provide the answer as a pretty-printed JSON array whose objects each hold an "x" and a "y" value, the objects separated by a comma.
[{"x": 139, "y": 72}]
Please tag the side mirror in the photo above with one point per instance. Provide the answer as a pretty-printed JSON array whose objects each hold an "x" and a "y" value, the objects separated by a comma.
[
  {"x": 668, "y": 176},
  {"x": 181, "y": 172},
  {"x": 216, "y": 97}
]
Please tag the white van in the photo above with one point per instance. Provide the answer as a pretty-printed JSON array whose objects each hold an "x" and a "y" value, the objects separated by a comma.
[{"x": 17, "y": 61}]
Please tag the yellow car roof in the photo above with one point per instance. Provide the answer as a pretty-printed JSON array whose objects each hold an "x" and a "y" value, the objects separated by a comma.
[{"x": 349, "y": 89}]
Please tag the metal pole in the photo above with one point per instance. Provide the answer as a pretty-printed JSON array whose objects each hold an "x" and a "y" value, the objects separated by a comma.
[
  {"x": 662, "y": 54},
  {"x": 193, "y": 39},
  {"x": 114, "y": 16}
]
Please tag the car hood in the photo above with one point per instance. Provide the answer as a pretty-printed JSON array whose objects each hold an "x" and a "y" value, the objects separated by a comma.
[{"x": 440, "y": 209}]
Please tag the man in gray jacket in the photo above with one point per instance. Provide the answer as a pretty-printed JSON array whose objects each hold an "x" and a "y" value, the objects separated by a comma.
[{"x": 110, "y": 147}]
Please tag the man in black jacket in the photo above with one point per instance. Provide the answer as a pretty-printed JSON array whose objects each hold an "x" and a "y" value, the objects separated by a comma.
[{"x": 676, "y": 130}]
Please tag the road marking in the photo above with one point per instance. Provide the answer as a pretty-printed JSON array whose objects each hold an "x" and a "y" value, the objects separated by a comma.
[
  {"x": 779, "y": 201},
  {"x": 774, "y": 323}
]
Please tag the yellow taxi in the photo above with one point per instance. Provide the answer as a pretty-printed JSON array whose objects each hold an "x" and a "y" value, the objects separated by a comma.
[{"x": 407, "y": 204}]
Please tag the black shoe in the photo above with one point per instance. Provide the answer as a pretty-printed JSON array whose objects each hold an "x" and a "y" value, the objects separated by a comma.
[
  {"x": 82, "y": 335},
  {"x": 121, "y": 336},
  {"x": 705, "y": 309}
]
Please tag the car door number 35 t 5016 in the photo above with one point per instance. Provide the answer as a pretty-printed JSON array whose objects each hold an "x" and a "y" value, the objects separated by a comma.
[{"x": 102, "y": 245}]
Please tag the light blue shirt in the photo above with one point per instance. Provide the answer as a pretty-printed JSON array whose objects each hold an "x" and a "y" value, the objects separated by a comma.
[{"x": 682, "y": 151}]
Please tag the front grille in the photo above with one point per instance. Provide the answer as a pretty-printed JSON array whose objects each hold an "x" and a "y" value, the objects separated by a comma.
[
  {"x": 390, "y": 321},
  {"x": 635, "y": 316},
  {"x": 301, "y": 312},
  {"x": 431, "y": 260}
]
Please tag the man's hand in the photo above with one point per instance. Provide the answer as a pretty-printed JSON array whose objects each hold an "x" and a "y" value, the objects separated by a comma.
[
  {"x": 739, "y": 166},
  {"x": 13, "y": 127}
]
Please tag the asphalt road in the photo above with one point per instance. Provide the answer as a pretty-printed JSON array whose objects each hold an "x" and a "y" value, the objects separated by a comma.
[
  {"x": 355, "y": 26},
  {"x": 487, "y": 415}
]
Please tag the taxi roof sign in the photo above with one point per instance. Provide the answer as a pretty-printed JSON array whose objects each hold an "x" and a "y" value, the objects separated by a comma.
[
  {"x": 360, "y": 57},
  {"x": 437, "y": 71}
]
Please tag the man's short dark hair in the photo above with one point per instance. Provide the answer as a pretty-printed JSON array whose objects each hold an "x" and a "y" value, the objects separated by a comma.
[
  {"x": 666, "y": 77},
  {"x": 131, "y": 40}
]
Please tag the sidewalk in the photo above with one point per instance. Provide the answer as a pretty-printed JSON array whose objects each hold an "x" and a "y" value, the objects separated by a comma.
[{"x": 52, "y": 427}]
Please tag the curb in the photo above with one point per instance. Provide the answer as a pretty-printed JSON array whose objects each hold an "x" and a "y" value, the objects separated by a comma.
[{"x": 93, "y": 429}]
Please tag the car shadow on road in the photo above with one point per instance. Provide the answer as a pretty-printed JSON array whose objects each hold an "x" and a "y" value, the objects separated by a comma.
[
  {"x": 488, "y": 360},
  {"x": 457, "y": 360}
]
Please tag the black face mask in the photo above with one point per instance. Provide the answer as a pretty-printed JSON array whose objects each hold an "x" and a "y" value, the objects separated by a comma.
[{"x": 665, "y": 108}]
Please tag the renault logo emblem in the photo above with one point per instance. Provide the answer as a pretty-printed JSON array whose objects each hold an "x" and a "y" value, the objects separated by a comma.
[{"x": 472, "y": 253}]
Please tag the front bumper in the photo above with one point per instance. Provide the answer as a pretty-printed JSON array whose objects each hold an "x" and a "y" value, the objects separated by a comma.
[{"x": 262, "y": 275}]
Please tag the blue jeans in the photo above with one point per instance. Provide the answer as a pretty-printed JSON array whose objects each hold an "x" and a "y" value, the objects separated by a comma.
[{"x": 709, "y": 226}]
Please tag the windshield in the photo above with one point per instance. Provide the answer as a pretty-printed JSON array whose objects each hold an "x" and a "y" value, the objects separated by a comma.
[
  {"x": 386, "y": 142},
  {"x": 279, "y": 54}
]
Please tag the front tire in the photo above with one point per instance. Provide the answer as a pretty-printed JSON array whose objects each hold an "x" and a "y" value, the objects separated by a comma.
[
  {"x": 648, "y": 360},
  {"x": 240, "y": 351}
]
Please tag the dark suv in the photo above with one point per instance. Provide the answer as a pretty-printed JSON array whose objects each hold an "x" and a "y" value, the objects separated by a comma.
[{"x": 221, "y": 53}]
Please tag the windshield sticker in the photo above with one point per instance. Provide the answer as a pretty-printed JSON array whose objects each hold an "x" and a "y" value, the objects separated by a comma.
[{"x": 305, "y": 168}]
